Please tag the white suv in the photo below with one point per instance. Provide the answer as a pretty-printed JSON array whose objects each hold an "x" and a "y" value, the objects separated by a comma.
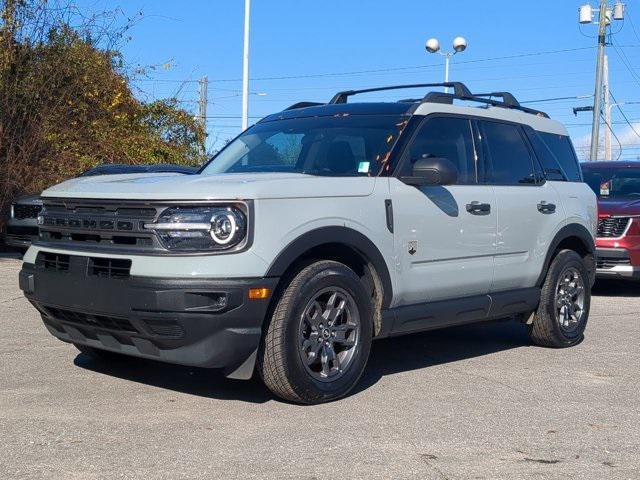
[{"x": 319, "y": 229}]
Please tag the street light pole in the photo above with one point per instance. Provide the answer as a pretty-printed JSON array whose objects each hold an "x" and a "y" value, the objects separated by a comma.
[
  {"x": 245, "y": 67},
  {"x": 447, "y": 58},
  {"x": 433, "y": 46}
]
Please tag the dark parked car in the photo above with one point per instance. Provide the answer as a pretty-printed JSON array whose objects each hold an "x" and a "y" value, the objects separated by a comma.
[
  {"x": 617, "y": 185},
  {"x": 22, "y": 226},
  {"x": 120, "y": 168}
]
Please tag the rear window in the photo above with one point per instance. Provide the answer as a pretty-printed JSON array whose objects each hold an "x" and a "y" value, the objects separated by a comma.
[{"x": 559, "y": 146}]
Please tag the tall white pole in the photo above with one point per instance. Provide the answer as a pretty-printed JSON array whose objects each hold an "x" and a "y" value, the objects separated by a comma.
[
  {"x": 245, "y": 67},
  {"x": 607, "y": 109},
  {"x": 447, "y": 57}
]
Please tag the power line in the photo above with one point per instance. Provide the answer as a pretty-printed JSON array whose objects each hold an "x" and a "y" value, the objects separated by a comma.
[
  {"x": 626, "y": 63},
  {"x": 608, "y": 124},
  {"x": 382, "y": 70},
  {"x": 544, "y": 100},
  {"x": 624, "y": 116}
]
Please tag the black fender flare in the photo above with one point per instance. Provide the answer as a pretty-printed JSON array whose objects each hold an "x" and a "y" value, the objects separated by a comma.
[
  {"x": 572, "y": 230},
  {"x": 335, "y": 234}
]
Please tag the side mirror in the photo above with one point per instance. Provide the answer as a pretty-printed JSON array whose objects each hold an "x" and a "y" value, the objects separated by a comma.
[{"x": 432, "y": 171}]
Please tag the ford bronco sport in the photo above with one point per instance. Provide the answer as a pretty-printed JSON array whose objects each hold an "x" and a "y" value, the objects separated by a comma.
[{"x": 319, "y": 229}]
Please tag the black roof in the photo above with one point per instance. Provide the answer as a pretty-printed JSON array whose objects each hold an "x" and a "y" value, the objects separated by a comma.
[
  {"x": 339, "y": 103},
  {"x": 373, "y": 108}
]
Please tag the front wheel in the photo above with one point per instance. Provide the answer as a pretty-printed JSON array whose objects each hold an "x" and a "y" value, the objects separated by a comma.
[
  {"x": 317, "y": 343},
  {"x": 565, "y": 299}
]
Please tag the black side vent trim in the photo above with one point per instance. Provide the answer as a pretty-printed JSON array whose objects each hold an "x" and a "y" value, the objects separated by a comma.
[
  {"x": 109, "y": 267},
  {"x": 52, "y": 261}
]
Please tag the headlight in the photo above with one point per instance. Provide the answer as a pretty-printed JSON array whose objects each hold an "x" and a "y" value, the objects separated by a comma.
[
  {"x": 13, "y": 210},
  {"x": 206, "y": 228}
]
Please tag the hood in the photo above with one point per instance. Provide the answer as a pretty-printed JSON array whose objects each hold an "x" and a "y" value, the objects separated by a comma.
[
  {"x": 608, "y": 207},
  {"x": 225, "y": 186},
  {"x": 29, "y": 200}
]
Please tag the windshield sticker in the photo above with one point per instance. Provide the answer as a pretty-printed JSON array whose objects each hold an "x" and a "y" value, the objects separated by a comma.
[
  {"x": 604, "y": 188},
  {"x": 363, "y": 167}
]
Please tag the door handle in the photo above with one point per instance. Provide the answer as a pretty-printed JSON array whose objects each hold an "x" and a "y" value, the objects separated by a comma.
[
  {"x": 544, "y": 207},
  {"x": 477, "y": 208}
]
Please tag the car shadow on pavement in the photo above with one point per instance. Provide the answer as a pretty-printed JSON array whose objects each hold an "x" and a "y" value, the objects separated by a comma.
[
  {"x": 202, "y": 382},
  {"x": 616, "y": 288},
  {"x": 388, "y": 356},
  {"x": 427, "y": 349}
]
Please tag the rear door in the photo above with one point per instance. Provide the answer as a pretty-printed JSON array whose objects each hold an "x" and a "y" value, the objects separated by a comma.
[
  {"x": 444, "y": 236},
  {"x": 529, "y": 209}
]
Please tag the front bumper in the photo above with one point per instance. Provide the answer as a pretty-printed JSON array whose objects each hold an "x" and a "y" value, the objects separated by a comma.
[
  {"x": 615, "y": 263},
  {"x": 175, "y": 320}
]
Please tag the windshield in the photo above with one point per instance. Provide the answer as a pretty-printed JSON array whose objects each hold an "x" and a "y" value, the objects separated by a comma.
[
  {"x": 613, "y": 182},
  {"x": 346, "y": 145}
]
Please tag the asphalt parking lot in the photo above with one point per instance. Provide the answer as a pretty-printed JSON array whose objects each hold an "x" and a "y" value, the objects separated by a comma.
[{"x": 470, "y": 402}]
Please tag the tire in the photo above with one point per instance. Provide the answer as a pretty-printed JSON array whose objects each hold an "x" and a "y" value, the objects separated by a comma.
[
  {"x": 97, "y": 354},
  {"x": 299, "y": 337},
  {"x": 550, "y": 328}
]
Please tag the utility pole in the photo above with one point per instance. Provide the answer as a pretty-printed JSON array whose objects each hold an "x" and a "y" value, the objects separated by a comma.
[
  {"x": 203, "y": 87},
  {"x": 607, "y": 110},
  {"x": 245, "y": 67},
  {"x": 605, "y": 16},
  {"x": 597, "y": 99}
]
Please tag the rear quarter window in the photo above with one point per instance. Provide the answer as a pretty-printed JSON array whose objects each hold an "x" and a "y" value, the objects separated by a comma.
[{"x": 559, "y": 150}]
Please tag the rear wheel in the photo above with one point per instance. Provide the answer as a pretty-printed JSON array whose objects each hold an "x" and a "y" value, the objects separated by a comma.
[
  {"x": 565, "y": 300},
  {"x": 318, "y": 340}
]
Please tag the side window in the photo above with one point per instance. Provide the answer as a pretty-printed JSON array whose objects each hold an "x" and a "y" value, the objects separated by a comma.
[
  {"x": 446, "y": 137},
  {"x": 560, "y": 146},
  {"x": 550, "y": 164},
  {"x": 506, "y": 155}
]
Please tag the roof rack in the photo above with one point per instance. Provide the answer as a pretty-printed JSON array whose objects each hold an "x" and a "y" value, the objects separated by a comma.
[
  {"x": 508, "y": 101},
  {"x": 459, "y": 88},
  {"x": 460, "y": 92},
  {"x": 304, "y": 105},
  {"x": 507, "y": 98}
]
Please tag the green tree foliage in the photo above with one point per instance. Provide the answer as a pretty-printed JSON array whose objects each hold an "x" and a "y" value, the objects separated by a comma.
[{"x": 66, "y": 104}]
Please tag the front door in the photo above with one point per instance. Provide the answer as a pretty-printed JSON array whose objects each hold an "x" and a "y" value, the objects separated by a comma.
[{"x": 444, "y": 236}]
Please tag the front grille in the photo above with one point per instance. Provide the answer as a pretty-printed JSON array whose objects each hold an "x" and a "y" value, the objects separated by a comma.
[
  {"x": 22, "y": 212},
  {"x": 109, "y": 267},
  {"x": 610, "y": 262},
  {"x": 91, "y": 224},
  {"x": 86, "y": 319},
  {"x": 612, "y": 227},
  {"x": 53, "y": 261}
]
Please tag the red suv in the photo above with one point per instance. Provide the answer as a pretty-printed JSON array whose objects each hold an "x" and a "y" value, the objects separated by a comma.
[{"x": 617, "y": 185}]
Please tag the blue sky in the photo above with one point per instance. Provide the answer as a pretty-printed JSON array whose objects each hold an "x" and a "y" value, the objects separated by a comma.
[{"x": 324, "y": 42}]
